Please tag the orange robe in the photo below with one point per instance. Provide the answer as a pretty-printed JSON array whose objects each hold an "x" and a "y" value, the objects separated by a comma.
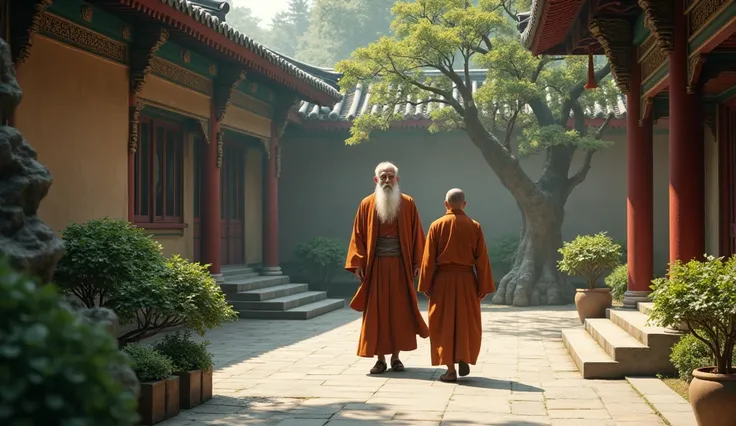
[
  {"x": 387, "y": 298},
  {"x": 455, "y": 268}
]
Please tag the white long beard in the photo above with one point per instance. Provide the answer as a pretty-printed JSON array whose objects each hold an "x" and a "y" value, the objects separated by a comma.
[{"x": 388, "y": 201}]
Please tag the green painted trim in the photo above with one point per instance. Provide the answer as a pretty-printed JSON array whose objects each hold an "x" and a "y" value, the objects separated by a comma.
[
  {"x": 173, "y": 53},
  {"x": 640, "y": 31},
  {"x": 102, "y": 21},
  {"x": 660, "y": 74},
  {"x": 257, "y": 90},
  {"x": 713, "y": 27},
  {"x": 725, "y": 95}
]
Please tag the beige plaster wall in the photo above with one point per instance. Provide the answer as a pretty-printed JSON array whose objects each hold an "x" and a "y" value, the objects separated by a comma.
[
  {"x": 253, "y": 206},
  {"x": 75, "y": 114},
  {"x": 711, "y": 194}
]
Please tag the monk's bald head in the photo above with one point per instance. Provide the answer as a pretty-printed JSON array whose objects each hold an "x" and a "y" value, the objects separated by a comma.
[{"x": 455, "y": 198}]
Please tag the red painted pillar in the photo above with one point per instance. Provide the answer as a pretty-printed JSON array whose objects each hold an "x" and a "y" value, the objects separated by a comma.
[
  {"x": 640, "y": 201},
  {"x": 132, "y": 99},
  {"x": 211, "y": 201},
  {"x": 687, "y": 229},
  {"x": 271, "y": 198}
]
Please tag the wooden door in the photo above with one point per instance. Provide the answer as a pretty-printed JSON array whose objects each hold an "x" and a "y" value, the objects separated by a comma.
[{"x": 232, "y": 204}]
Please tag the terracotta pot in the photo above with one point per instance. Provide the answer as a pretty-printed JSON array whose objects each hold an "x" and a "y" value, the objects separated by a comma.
[
  {"x": 172, "y": 396},
  {"x": 190, "y": 388},
  {"x": 152, "y": 402},
  {"x": 712, "y": 397},
  {"x": 206, "y": 385},
  {"x": 592, "y": 303}
]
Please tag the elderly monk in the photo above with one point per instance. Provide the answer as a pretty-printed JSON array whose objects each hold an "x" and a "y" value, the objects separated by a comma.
[
  {"x": 456, "y": 276},
  {"x": 385, "y": 253}
]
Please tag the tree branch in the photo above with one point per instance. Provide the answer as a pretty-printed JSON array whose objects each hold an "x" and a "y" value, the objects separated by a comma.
[{"x": 582, "y": 173}]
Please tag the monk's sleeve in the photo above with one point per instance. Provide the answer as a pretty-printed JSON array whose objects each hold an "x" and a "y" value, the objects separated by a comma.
[
  {"x": 419, "y": 240},
  {"x": 429, "y": 262},
  {"x": 483, "y": 265},
  {"x": 357, "y": 253}
]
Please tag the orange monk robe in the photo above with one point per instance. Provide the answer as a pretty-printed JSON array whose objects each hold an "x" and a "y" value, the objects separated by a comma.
[
  {"x": 455, "y": 245},
  {"x": 387, "y": 298}
]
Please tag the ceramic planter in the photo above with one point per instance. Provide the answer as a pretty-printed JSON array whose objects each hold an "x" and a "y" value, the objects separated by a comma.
[
  {"x": 712, "y": 397},
  {"x": 592, "y": 303},
  {"x": 152, "y": 402},
  {"x": 190, "y": 388}
]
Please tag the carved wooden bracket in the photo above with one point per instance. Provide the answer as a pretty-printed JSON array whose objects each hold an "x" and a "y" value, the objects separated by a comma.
[
  {"x": 135, "y": 113},
  {"x": 219, "y": 149},
  {"x": 204, "y": 125},
  {"x": 284, "y": 103},
  {"x": 26, "y": 19},
  {"x": 659, "y": 19},
  {"x": 615, "y": 37},
  {"x": 266, "y": 147},
  {"x": 278, "y": 161},
  {"x": 143, "y": 50},
  {"x": 647, "y": 104},
  {"x": 227, "y": 80},
  {"x": 695, "y": 66}
]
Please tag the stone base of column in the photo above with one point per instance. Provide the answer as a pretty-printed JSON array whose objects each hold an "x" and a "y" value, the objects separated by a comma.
[
  {"x": 271, "y": 271},
  {"x": 219, "y": 278},
  {"x": 632, "y": 297}
]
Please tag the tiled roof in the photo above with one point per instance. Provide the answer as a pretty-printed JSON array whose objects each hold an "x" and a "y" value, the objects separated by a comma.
[
  {"x": 202, "y": 15},
  {"x": 358, "y": 102}
]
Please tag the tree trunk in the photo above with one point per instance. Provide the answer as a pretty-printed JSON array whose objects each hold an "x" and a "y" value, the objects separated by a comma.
[{"x": 534, "y": 278}]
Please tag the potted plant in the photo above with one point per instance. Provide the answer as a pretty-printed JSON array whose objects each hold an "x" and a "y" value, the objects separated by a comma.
[
  {"x": 192, "y": 363},
  {"x": 589, "y": 257},
  {"x": 702, "y": 295},
  {"x": 159, "y": 397}
]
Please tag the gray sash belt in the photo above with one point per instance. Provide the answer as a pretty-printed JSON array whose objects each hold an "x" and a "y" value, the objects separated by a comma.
[{"x": 388, "y": 247}]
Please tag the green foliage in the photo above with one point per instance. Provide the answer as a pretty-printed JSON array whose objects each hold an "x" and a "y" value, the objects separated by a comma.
[
  {"x": 184, "y": 294},
  {"x": 503, "y": 252},
  {"x": 589, "y": 257},
  {"x": 149, "y": 364},
  {"x": 618, "y": 280},
  {"x": 55, "y": 368},
  {"x": 186, "y": 354},
  {"x": 701, "y": 295},
  {"x": 688, "y": 354},
  {"x": 321, "y": 258},
  {"x": 103, "y": 256}
]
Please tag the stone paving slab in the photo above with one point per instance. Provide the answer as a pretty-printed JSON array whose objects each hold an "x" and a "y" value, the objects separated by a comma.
[{"x": 288, "y": 373}]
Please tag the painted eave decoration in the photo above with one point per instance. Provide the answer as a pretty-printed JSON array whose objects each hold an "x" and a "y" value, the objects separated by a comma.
[
  {"x": 326, "y": 92},
  {"x": 547, "y": 23}
]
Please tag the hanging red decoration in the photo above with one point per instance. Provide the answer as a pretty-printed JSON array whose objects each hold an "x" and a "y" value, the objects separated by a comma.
[{"x": 592, "y": 84}]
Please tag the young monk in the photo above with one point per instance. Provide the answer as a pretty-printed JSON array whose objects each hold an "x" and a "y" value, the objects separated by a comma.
[
  {"x": 456, "y": 276},
  {"x": 385, "y": 252}
]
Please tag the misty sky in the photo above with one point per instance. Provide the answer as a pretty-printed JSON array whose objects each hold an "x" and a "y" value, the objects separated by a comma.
[{"x": 264, "y": 9}]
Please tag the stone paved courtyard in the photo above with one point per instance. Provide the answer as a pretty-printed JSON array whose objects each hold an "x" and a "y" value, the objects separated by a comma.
[{"x": 305, "y": 373}]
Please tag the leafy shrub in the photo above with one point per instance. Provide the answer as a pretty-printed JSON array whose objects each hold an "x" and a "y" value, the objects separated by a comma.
[
  {"x": 186, "y": 354},
  {"x": 503, "y": 252},
  {"x": 185, "y": 294},
  {"x": 321, "y": 258},
  {"x": 618, "y": 280},
  {"x": 589, "y": 257},
  {"x": 55, "y": 367},
  {"x": 104, "y": 255},
  {"x": 149, "y": 365},
  {"x": 701, "y": 295},
  {"x": 688, "y": 354}
]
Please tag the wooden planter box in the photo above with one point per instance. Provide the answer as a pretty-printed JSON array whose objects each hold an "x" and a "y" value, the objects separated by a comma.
[
  {"x": 158, "y": 401},
  {"x": 195, "y": 387},
  {"x": 172, "y": 396}
]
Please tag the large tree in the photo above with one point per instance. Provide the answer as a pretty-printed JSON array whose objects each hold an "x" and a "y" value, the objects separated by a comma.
[
  {"x": 288, "y": 26},
  {"x": 527, "y": 105}
]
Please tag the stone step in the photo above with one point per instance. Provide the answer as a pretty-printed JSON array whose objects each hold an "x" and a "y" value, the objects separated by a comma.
[
  {"x": 645, "y": 307},
  {"x": 592, "y": 361},
  {"x": 635, "y": 323},
  {"x": 246, "y": 284},
  {"x": 303, "y": 312},
  {"x": 242, "y": 276},
  {"x": 281, "y": 303},
  {"x": 230, "y": 270},
  {"x": 268, "y": 293}
]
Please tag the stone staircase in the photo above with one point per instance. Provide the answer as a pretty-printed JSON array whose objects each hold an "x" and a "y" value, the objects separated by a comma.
[
  {"x": 273, "y": 297},
  {"x": 621, "y": 345}
]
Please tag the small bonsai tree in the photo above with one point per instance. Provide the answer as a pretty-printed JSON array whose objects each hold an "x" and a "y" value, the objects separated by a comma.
[
  {"x": 589, "y": 257},
  {"x": 701, "y": 295},
  {"x": 55, "y": 367},
  {"x": 618, "y": 280},
  {"x": 149, "y": 365},
  {"x": 186, "y": 354},
  {"x": 321, "y": 258}
]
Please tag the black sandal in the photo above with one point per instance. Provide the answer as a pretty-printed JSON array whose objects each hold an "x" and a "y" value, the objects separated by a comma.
[
  {"x": 464, "y": 368},
  {"x": 379, "y": 368},
  {"x": 397, "y": 365}
]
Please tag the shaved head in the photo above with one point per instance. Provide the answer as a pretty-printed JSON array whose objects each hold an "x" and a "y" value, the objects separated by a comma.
[{"x": 455, "y": 198}]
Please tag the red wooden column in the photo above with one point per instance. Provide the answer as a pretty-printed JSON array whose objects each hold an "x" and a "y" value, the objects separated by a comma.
[
  {"x": 687, "y": 228},
  {"x": 640, "y": 201},
  {"x": 271, "y": 198},
  {"x": 210, "y": 188}
]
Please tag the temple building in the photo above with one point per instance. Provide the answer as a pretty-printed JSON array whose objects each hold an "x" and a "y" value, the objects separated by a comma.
[{"x": 159, "y": 112}]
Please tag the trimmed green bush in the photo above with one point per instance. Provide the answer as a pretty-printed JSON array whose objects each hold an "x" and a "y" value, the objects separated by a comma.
[
  {"x": 589, "y": 257},
  {"x": 186, "y": 354},
  {"x": 149, "y": 365},
  {"x": 618, "y": 280},
  {"x": 688, "y": 354},
  {"x": 321, "y": 258},
  {"x": 55, "y": 367}
]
